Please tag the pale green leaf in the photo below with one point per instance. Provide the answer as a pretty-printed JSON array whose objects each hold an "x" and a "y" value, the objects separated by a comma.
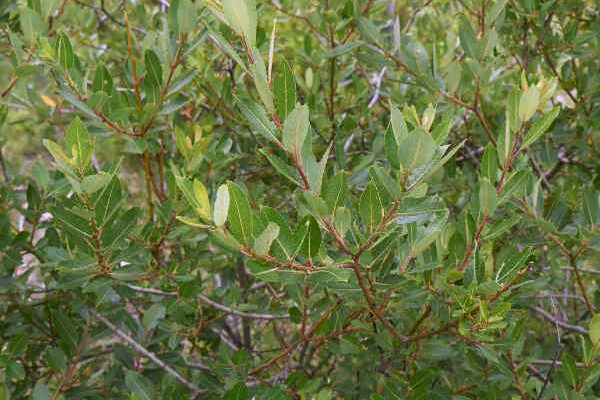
[
  {"x": 262, "y": 244},
  {"x": 539, "y": 127},
  {"x": 221, "y": 207}
]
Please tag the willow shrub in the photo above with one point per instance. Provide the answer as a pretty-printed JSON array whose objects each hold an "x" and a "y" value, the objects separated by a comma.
[{"x": 300, "y": 199}]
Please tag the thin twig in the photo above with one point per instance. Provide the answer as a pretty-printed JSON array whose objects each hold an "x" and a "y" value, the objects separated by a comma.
[
  {"x": 218, "y": 306},
  {"x": 148, "y": 354},
  {"x": 551, "y": 318}
]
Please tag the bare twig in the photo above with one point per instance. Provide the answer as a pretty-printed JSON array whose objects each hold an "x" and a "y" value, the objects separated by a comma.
[
  {"x": 148, "y": 354},
  {"x": 551, "y": 318},
  {"x": 212, "y": 303}
]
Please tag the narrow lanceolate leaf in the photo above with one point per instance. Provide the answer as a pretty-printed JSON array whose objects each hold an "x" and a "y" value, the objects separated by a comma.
[
  {"x": 81, "y": 145},
  {"x": 259, "y": 73},
  {"x": 92, "y": 183},
  {"x": 193, "y": 193},
  {"x": 203, "y": 204},
  {"x": 32, "y": 25},
  {"x": 528, "y": 103},
  {"x": 488, "y": 199},
  {"x": 240, "y": 214},
  {"x": 512, "y": 111},
  {"x": 59, "y": 155},
  {"x": 257, "y": 118},
  {"x": 285, "y": 89},
  {"x": 186, "y": 16},
  {"x": 153, "y": 68},
  {"x": 64, "y": 51},
  {"x": 241, "y": 17},
  {"x": 262, "y": 244},
  {"x": 594, "y": 329},
  {"x": 221, "y": 207},
  {"x": 282, "y": 167},
  {"x": 505, "y": 142},
  {"x": 371, "y": 207},
  {"x": 453, "y": 76},
  {"x": 416, "y": 149},
  {"x": 398, "y": 125},
  {"x": 316, "y": 179},
  {"x": 295, "y": 129},
  {"x": 392, "y": 148},
  {"x": 489, "y": 163},
  {"x": 140, "y": 385},
  {"x": 335, "y": 191},
  {"x": 540, "y": 127}
]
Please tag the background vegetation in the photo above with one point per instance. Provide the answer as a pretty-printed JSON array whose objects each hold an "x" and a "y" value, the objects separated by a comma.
[{"x": 334, "y": 199}]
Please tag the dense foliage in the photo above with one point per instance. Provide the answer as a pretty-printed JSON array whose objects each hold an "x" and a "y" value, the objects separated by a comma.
[{"x": 336, "y": 199}]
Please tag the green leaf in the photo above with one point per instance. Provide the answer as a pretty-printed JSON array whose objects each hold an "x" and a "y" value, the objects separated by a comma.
[
  {"x": 259, "y": 73},
  {"x": 139, "y": 385},
  {"x": 196, "y": 195},
  {"x": 416, "y": 149},
  {"x": 388, "y": 187},
  {"x": 285, "y": 89},
  {"x": 488, "y": 199},
  {"x": 495, "y": 11},
  {"x": 153, "y": 68},
  {"x": 92, "y": 183},
  {"x": 398, "y": 125},
  {"x": 371, "y": 207},
  {"x": 392, "y": 149},
  {"x": 489, "y": 163},
  {"x": 48, "y": 7},
  {"x": 308, "y": 237},
  {"x": 221, "y": 207},
  {"x": 240, "y": 214},
  {"x": 241, "y": 17},
  {"x": 342, "y": 220},
  {"x": 257, "y": 118},
  {"x": 428, "y": 235},
  {"x": 512, "y": 111},
  {"x": 453, "y": 77},
  {"x": 368, "y": 30},
  {"x": 57, "y": 152},
  {"x": 295, "y": 129},
  {"x": 31, "y": 25},
  {"x": 468, "y": 40},
  {"x": 594, "y": 329},
  {"x": 78, "y": 104},
  {"x": 80, "y": 143},
  {"x": 77, "y": 223},
  {"x": 539, "y": 127},
  {"x": 40, "y": 391},
  {"x": 528, "y": 103},
  {"x": 107, "y": 202},
  {"x": 262, "y": 244},
  {"x": 330, "y": 274},
  {"x": 121, "y": 228},
  {"x": 102, "y": 81},
  {"x": 504, "y": 146},
  {"x": 224, "y": 46},
  {"x": 203, "y": 203},
  {"x": 186, "y": 16},
  {"x": 315, "y": 171},
  {"x": 153, "y": 315},
  {"x": 238, "y": 392},
  {"x": 334, "y": 192},
  {"x": 64, "y": 51},
  {"x": 282, "y": 167}
]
